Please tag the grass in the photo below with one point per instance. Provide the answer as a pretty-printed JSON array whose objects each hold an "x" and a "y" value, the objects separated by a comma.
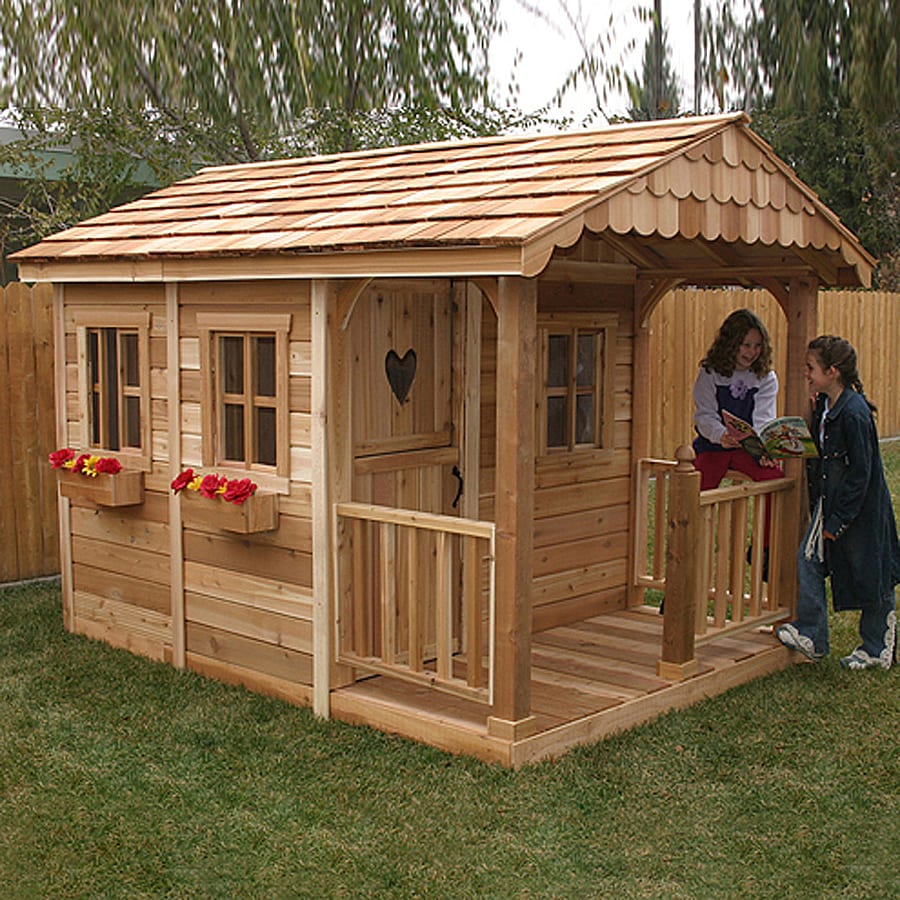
[{"x": 124, "y": 778}]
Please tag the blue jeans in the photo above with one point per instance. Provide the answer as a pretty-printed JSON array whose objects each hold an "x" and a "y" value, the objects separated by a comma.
[{"x": 877, "y": 624}]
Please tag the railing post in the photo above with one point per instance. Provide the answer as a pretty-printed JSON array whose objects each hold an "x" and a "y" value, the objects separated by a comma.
[{"x": 683, "y": 576}]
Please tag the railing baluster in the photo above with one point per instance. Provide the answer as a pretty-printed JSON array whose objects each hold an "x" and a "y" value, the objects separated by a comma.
[
  {"x": 737, "y": 543},
  {"x": 413, "y": 591},
  {"x": 473, "y": 615},
  {"x": 388, "y": 554},
  {"x": 659, "y": 524},
  {"x": 722, "y": 560},
  {"x": 358, "y": 614},
  {"x": 444, "y": 612},
  {"x": 756, "y": 560}
]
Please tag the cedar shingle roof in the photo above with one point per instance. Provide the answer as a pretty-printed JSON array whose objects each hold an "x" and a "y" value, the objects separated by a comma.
[{"x": 656, "y": 187}]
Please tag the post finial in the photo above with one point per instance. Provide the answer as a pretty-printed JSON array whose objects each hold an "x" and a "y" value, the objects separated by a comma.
[{"x": 685, "y": 457}]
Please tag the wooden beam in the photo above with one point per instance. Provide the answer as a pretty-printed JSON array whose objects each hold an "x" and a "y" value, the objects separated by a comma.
[
  {"x": 578, "y": 272},
  {"x": 516, "y": 366},
  {"x": 62, "y": 440},
  {"x": 176, "y": 535}
]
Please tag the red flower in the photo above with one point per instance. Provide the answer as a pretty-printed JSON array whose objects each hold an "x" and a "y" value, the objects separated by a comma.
[
  {"x": 108, "y": 464},
  {"x": 211, "y": 484},
  {"x": 183, "y": 480},
  {"x": 238, "y": 490},
  {"x": 78, "y": 465},
  {"x": 58, "y": 457}
]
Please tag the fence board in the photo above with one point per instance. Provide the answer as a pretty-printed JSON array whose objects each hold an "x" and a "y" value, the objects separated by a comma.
[
  {"x": 684, "y": 324},
  {"x": 27, "y": 492}
]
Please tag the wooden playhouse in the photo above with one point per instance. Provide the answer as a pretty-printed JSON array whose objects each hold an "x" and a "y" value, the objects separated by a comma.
[{"x": 431, "y": 362}]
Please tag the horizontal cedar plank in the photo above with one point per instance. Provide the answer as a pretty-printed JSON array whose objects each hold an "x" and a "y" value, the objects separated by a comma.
[
  {"x": 96, "y": 295},
  {"x": 238, "y": 587},
  {"x": 243, "y": 554},
  {"x": 124, "y": 560},
  {"x": 152, "y": 647},
  {"x": 123, "y": 588},
  {"x": 108, "y": 525},
  {"x": 122, "y": 615},
  {"x": 621, "y": 674},
  {"x": 281, "y": 662},
  {"x": 611, "y": 648},
  {"x": 587, "y": 694},
  {"x": 572, "y": 498},
  {"x": 569, "y": 468},
  {"x": 584, "y": 524},
  {"x": 563, "y": 557},
  {"x": 563, "y": 703},
  {"x": 292, "y": 533},
  {"x": 564, "y": 612},
  {"x": 300, "y": 394},
  {"x": 228, "y": 673},
  {"x": 564, "y": 585},
  {"x": 259, "y": 624},
  {"x": 299, "y": 503}
]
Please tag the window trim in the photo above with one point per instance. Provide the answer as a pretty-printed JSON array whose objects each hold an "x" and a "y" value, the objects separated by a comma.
[
  {"x": 99, "y": 318},
  {"x": 604, "y": 393},
  {"x": 247, "y": 325}
]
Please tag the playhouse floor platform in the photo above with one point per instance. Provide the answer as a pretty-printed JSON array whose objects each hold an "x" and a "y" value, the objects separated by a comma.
[{"x": 590, "y": 679}]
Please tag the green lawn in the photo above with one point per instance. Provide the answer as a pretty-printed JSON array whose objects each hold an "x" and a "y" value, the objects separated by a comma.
[{"x": 124, "y": 778}]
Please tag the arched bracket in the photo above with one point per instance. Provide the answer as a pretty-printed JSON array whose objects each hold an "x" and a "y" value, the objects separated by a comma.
[{"x": 649, "y": 293}]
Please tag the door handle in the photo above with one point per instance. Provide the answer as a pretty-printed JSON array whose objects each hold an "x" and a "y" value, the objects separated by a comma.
[{"x": 458, "y": 475}]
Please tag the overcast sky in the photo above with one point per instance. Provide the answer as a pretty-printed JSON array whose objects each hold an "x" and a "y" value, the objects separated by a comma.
[{"x": 547, "y": 53}]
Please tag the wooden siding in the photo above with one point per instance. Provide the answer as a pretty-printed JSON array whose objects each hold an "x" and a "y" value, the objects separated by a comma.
[
  {"x": 248, "y": 599},
  {"x": 30, "y": 545}
]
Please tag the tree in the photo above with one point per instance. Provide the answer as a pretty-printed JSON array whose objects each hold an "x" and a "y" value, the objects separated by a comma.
[
  {"x": 823, "y": 80},
  {"x": 249, "y": 68},
  {"x": 656, "y": 94}
]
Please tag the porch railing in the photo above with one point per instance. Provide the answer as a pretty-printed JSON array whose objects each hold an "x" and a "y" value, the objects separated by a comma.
[
  {"x": 729, "y": 594},
  {"x": 415, "y": 597}
]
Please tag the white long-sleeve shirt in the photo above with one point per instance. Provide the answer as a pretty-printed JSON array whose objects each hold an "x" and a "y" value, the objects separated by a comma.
[{"x": 744, "y": 394}]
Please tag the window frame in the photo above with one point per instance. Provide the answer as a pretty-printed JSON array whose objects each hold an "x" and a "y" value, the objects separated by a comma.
[
  {"x": 212, "y": 328},
  {"x": 99, "y": 320},
  {"x": 605, "y": 326}
]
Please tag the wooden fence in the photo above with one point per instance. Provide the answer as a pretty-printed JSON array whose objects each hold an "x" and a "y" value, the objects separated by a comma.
[
  {"x": 682, "y": 327},
  {"x": 28, "y": 520}
]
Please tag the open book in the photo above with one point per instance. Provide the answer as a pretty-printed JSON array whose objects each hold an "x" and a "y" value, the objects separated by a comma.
[{"x": 783, "y": 437}]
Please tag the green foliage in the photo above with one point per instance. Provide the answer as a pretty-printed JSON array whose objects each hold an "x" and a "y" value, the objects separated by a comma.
[
  {"x": 823, "y": 79},
  {"x": 250, "y": 68},
  {"x": 649, "y": 100}
]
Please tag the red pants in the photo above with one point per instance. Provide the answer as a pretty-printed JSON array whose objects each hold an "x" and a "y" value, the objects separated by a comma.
[{"x": 713, "y": 464}]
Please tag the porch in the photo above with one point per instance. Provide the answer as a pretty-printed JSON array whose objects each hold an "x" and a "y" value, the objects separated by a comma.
[
  {"x": 407, "y": 646},
  {"x": 589, "y": 679}
]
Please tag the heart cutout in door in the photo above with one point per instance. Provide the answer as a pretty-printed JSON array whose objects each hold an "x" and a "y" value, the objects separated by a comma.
[{"x": 400, "y": 373}]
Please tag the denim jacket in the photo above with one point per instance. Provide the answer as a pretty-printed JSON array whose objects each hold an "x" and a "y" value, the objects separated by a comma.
[{"x": 864, "y": 558}]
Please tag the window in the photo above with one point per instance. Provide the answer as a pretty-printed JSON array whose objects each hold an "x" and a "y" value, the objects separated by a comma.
[
  {"x": 245, "y": 365},
  {"x": 115, "y": 380},
  {"x": 576, "y": 398}
]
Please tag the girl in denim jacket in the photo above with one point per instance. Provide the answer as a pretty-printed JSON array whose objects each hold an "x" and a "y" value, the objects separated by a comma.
[{"x": 853, "y": 535}]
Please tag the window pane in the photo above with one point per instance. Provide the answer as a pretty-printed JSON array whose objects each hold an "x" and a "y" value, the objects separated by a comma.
[
  {"x": 584, "y": 419},
  {"x": 265, "y": 436},
  {"x": 233, "y": 365},
  {"x": 110, "y": 369},
  {"x": 95, "y": 418},
  {"x": 129, "y": 351},
  {"x": 132, "y": 421},
  {"x": 585, "y": 365},
  {"x": 234, "y": 432},
  {"x": 265, "y": 366},
  {"x": 93, "y": 357},
  {"x": 556, "y": 422},
  {"x": 558, "y": 360}
]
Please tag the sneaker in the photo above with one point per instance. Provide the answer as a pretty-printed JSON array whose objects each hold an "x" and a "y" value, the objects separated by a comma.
[
  {"x": 859, "y": 659},
  {"x": 790, "y": 637}
]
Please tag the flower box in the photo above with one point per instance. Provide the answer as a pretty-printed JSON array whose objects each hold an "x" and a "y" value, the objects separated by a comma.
[
  {"x": 125, "y": 488},
  {"x": 259, "y": 512}
]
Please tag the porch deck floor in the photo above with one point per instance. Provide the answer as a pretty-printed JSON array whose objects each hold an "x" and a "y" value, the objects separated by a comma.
[{"x": 589, "y": 679}]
